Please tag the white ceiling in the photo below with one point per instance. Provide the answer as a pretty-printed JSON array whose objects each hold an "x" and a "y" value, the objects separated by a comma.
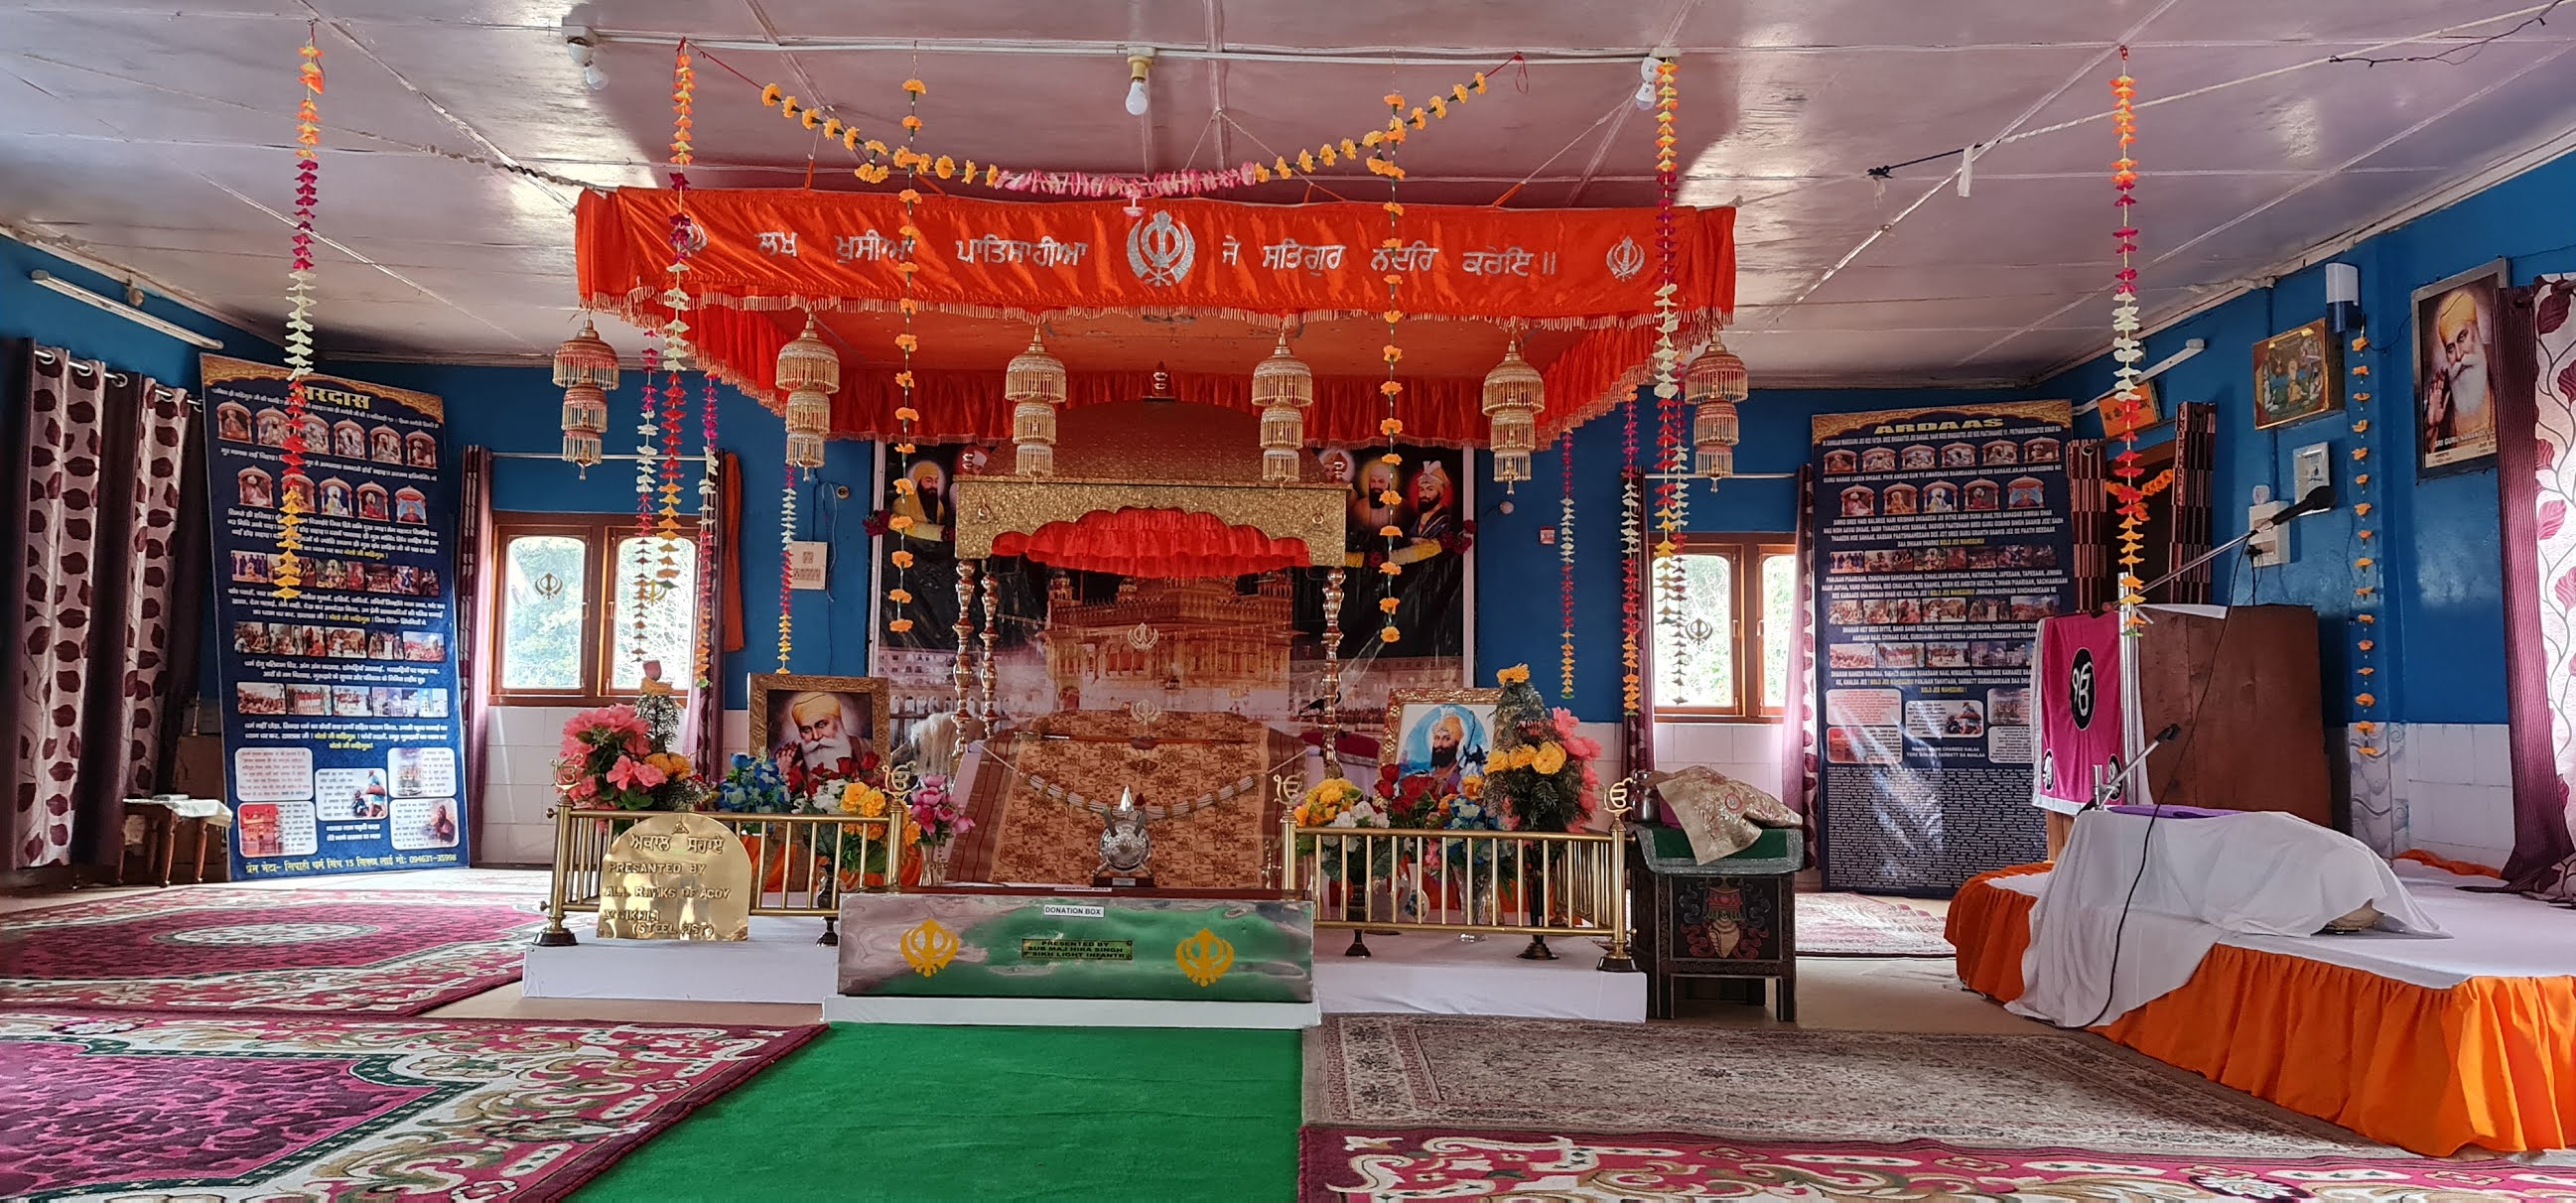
[{"x": 162, "y": 143}]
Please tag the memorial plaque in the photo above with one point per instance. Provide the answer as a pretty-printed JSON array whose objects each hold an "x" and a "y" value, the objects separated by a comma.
[{"x": 676, "y": 877}]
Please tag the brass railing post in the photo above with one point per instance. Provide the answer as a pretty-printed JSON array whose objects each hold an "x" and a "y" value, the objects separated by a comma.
[
  {"x": 556, "y": 935},
  {"x": 1618, "y": 959}
]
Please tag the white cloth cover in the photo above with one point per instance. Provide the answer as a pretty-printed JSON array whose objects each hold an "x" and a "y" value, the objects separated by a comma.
[{"x": 2204, "y": 879}]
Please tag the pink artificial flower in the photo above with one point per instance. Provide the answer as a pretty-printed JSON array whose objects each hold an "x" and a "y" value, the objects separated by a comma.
[
  {"x": 583, "y": 790},
  {"x": 637, "y": 745},
  {"x": 960, "y": 825},
  {"x": 633, "y": 774}
]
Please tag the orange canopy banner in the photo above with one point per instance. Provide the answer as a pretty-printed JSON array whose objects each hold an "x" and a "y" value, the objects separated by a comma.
[{"x": 768, "y": 253}]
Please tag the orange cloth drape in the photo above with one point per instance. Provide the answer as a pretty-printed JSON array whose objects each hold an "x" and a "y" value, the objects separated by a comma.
[
  {"x": 1153, "y": 543},
  {"x": 770, "y": 250},
  {"x": 2447, "y": 865},
  {"x": 2489, "y": 1062}
]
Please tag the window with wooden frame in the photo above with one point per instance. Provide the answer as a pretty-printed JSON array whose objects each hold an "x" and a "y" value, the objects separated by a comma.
[
  {"x": 1721, "y": 651},
  {"x": 566, "y": 596}
]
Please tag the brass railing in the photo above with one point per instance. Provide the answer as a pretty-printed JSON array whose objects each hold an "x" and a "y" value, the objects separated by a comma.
[
  {"x": 798, "y": 862},
  {"x": 1538, "y": 884}
]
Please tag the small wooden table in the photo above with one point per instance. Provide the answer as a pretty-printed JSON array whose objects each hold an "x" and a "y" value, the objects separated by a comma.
[
  {"x": 162, "y": 817},
  {"x": 1730, "y": 918}
]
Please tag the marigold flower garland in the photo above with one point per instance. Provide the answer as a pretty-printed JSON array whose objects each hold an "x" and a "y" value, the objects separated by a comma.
[
  {"x": 898, "y": 595},
  {"x": 657, "y": 467},
  {"x": 1565, "y": 562},
  {"x": 882, "y": 161},
  {"x": 710, "y": 518},
  {"x": 1382, "y": 162},
  {"x": 2125, "y": 354},
  {"x": 2365, "y": 567},
  {"x": 289, "y": 576},
  {"x": 1672, "y": 500},
  {"x": 1631, "y": 545}
]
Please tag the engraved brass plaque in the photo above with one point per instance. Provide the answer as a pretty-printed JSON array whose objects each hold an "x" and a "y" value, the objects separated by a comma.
[{"x": 676, "y": 877}]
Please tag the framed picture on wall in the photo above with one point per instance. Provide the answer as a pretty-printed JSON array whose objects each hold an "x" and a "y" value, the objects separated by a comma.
[
  {"x": 1446, "y": 733},
  {"x": 836, "y": 725},
  {"x": 2455, "y": 342},
  {"x": 2298, "y": 374}
]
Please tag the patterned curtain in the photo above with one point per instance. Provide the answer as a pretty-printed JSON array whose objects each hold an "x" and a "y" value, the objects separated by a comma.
[
  {"x": 98, "y": 481},
  {"x": 1797, "y": 717},
  {"x": 2195, "y": 454},
  {"x": 2536, "y": 461},
  {"x": 702, "y": 730},
  {"x": 2088, "y": 524},
  {"x": 477, "y": 549}
]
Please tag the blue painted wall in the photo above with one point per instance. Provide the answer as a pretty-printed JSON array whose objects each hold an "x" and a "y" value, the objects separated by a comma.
[
  {"x": 50, "y": 318},
  {"x": 520, "y": 409},
  {"x": 1519, "y": 611},
  {"x": 2437, "y": 539}
]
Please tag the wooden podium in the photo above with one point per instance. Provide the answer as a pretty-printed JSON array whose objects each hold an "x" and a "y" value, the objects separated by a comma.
[{"x": 2244, "y": 684}]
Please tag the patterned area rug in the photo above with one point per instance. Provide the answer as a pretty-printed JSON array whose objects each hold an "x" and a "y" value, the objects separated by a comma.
[
  {"x": 1857, "y": 925},
  {"x": 1976, "y": 1091},
  {"x": 234, "y": 949},
  {"x": 105, "y": 1105},
  {"x": 1336, "y": 1164}
]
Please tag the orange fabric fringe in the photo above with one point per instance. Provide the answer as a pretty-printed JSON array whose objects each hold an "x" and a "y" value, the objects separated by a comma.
[{"x": 2485, "y": 1062}]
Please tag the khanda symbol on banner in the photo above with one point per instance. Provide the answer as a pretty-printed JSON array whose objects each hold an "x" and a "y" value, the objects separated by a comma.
[
  {"x": 1161, "y": 251},
  {"x": 929, "y": 947},
  {"x": 1625, "y": 260},
  {"x": 1204, "y": 957}
]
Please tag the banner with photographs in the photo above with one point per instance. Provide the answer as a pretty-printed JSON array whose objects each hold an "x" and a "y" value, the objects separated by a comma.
[
  {"x": 1263, "y": 660},
  {"x": 1942, "y": 540},
  {"x": 345, "y": 748}
]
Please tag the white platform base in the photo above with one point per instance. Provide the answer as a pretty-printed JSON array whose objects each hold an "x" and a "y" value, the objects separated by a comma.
[
  {"x": 1430, "y": 974},
  {"x": 780, "y": 963},
  {"x": 1418, "y": 973},
  {"x": 1070, "y": 1012}
]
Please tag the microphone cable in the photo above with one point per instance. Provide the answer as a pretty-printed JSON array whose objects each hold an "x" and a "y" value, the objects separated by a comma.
[{"x": 2146, "y": 842}]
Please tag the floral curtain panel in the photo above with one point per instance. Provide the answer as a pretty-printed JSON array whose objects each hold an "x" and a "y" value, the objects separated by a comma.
[
  {"x": 98, "y": 479},
  {"x": 2536, "y": 459}
]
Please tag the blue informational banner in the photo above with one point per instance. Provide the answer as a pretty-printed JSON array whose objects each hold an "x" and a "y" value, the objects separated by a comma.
[
  {"x": 1941, "y": 541},
  {"x": 344, "y": 745}
]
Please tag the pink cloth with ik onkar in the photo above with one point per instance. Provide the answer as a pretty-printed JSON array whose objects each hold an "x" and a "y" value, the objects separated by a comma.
[{"x": 2079, "y": 702}]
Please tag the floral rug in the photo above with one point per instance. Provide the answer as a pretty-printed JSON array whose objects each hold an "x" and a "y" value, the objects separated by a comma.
[
  {"x": 1857, "y": 925},
  {"x": 1381, "y": 1072},
  {"x": 1339, "y": 1164},
  {"x": 105, "y": 1105},
  {"x": 236, "y": 949}
]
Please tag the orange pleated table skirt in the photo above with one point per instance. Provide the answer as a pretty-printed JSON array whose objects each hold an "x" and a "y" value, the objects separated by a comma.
[{"x": 2489, "y": 1062}]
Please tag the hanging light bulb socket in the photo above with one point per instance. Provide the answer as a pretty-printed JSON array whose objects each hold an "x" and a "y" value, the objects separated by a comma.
[{"x": 1140, "y": 65}]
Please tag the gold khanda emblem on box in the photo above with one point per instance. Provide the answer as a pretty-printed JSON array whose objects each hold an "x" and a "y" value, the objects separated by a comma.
[
  {"x": 928, "y": 947},
  {"x": 1204, "y": 957},
  {"x": 675, "y": 877}
]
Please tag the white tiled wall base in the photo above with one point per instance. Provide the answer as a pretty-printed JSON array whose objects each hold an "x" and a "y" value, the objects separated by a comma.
[
  {"x": 2445, "y": 788},
  {"x": 1747, "y": 752},
  {"x": 518, "y": 779}
]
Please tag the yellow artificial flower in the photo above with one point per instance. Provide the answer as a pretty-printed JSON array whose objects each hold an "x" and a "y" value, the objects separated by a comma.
[
  {"x": 1390, "y": 634},
  {"x": 916, "y": 87},
  {"x": 904, "y": 485},
  {"x": 1471, "y": 787},
  {"x": 906, "y": 413},
  {"x": 899, "y": 596},
  {"x": 902, "y": 559},
  {"x": 1549, "y": 758},
  {"x": 1517, "y": 674},
  {"x": 900, "y": 625},
  {"x": 1387, "y": 605},
  {"x": 770, "y": 96}
]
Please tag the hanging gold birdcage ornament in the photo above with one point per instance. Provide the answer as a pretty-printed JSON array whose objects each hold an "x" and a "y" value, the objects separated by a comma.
[
  {"x": 586, "y": 369},
  {"x": 1282, "y": 387},
  {"x": 809, "y": 371},
  {"x": 1034, "y": 384},
  {"x": 1713, "y": 384},
  {"x": 1514, "y": 391}
]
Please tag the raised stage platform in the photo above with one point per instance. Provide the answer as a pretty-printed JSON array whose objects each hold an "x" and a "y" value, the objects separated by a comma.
[
  {"x": 1427, "y": 974},
  {"x": 2427, "y": 1043}
]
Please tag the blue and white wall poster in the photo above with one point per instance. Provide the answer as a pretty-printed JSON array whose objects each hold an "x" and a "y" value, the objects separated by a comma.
[
  {"x": 343, "y": 737},
  {"x": 1941, "y": 540}
]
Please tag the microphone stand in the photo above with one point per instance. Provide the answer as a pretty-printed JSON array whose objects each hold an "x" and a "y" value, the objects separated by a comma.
[{"x": 2318, "y": 500}]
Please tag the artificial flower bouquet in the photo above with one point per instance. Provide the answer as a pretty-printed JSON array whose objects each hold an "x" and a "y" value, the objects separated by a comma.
[
  {"x": 611, "y": 757},
  {"x": 865, "y": 849},
  {"x": 1540, "y": 773},
  {"x": 941, "y": 819},
  {"x": 754, "y": 786}
]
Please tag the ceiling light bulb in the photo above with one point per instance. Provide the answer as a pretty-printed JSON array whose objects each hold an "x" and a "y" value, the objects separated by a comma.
[
  {"x": 1646, "y": 67},
  {"x": 1140, "y": 63},
  {"x": 1137, "y": 100},
  {"x": 593, "y": 78},
  {"x": 1645, "y": 97}
]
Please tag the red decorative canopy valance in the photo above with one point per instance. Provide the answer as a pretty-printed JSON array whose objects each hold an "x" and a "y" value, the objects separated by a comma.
[
  {"x": 1153, "y": 543},
  {"x": 1196, "y": 285}
]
